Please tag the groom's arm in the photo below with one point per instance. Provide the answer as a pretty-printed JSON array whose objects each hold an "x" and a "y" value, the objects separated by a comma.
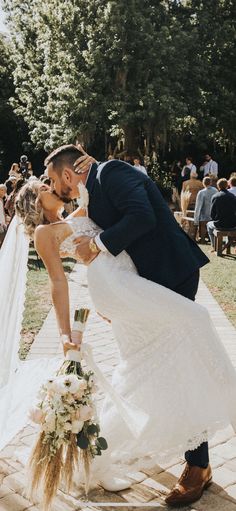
[{"x": 127, "y": 191}]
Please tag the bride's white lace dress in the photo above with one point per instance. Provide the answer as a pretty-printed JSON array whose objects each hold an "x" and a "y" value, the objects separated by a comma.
[
  {"x": 173, "y": 369},
  {"x": 173, "y": 365}
]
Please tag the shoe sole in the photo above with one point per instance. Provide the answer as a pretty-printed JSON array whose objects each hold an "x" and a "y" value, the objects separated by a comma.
[{"x": 187, "y": 502}]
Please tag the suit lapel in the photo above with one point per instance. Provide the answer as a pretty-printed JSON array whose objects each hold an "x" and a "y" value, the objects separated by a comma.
[{"x": 92, "y": 178}]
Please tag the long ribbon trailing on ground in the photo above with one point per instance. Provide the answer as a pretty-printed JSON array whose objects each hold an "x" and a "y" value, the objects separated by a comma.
[{"x": 135, "y": 418}]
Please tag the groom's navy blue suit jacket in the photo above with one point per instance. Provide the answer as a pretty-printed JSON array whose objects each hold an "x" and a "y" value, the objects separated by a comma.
[{"x": 134, "y": 217}]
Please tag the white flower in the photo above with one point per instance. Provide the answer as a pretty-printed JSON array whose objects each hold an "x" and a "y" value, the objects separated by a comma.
[
  {"x": 50, "y": 421},
  {"x": 83, "y": 196},
  {"x": 67, "y": 426},
  {"x": 77, "y": 426}
]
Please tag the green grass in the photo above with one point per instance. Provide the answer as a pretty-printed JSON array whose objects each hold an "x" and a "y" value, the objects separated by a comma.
[
  {"x": 220, "y": 277},
  {"x": 37, "y": 301}
]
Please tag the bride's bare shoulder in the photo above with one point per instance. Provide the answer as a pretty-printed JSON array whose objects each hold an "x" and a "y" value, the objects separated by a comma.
[{"x": 51, "y": 234}]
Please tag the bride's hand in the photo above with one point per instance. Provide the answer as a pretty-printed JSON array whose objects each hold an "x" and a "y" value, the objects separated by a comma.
[
  {"x": 67, "y": 346},
  {"x": 83, "y": 163}
]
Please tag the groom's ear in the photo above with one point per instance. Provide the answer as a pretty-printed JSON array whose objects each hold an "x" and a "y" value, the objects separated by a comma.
[{"x": 68, "y": 175}]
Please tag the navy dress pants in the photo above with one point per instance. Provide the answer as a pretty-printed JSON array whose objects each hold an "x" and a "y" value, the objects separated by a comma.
[{"x": 199, "y": 456}]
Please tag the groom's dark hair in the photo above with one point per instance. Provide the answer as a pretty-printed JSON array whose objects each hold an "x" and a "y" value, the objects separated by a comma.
[{"x": 66, "y": 155}]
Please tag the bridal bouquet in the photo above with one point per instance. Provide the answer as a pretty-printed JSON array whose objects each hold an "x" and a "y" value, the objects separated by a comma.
[{"x": 69, "y": 432}]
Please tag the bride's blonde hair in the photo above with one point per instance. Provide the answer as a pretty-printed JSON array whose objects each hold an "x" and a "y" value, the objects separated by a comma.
[{"x": 28, "y": 208}]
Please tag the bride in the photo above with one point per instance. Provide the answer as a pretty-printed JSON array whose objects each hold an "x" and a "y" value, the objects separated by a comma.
[{"x": 172, "y": 367}]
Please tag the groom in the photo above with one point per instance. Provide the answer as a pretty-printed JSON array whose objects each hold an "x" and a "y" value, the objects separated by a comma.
[{"x": 134, "y": 217}]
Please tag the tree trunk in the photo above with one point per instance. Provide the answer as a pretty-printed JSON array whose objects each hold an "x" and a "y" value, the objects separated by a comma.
[{"x": 132, "y": 139}]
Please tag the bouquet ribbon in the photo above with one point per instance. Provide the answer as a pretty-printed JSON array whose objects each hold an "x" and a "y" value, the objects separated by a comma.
[{"x": 135, "y": 418}]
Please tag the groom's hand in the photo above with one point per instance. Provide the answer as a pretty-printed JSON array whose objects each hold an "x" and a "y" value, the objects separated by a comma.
[{"x": 84, "y": 253}]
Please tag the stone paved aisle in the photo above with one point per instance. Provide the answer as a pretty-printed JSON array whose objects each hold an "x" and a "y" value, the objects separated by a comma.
[{"x": 148, "y": 487}]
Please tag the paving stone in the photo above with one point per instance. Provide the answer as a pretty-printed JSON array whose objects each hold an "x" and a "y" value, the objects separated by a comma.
[
  {"x": 16, "y": 481},
  {"x": 30, "y": 439},
  {"x": 231, "y": 465},
  {"x": 177, "y": 470},
  {"x": 216, "y": 461},
  {"x": 231, "y": 492},
  {"x": 153, "y": 470},
  {"x": 5, "y": 468},
  {"x": 165, "y": 480},
  {"x": 223, "y": 477},
  {"x": 221, "y": 436},
  {"x": 4, "y": 490},
  {"x": 209, "y": 502},
  {"x": 8, "y": 451},
  {"x": 100, "y": 495},
  {"x": 228, "y": 452},
  {"x": 14, "y": 502},
  {"x": 140, "y": 493}
]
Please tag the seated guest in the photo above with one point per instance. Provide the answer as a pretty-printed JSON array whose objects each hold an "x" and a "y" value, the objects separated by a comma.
[
  {"x": 232, "y": 185},
  {"x": 192, "y": 185},
  {"x": 202, "y": 212},
  {"x": 223, "y": 210}
]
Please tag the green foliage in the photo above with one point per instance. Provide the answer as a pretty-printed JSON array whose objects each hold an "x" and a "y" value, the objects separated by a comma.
[
  {"x": 161, "y": 71},
  {"x": 10, "y": 126}
]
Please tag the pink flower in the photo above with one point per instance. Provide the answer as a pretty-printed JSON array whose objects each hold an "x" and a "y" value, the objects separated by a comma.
[
  {"x": 86, "y": 413},
  {"x": 36, "y": 415}
]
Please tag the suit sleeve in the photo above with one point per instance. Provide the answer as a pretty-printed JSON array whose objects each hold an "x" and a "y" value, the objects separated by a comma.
[
  {"x": 213, "y": 208},
  {"x": 126, "y": 190}
]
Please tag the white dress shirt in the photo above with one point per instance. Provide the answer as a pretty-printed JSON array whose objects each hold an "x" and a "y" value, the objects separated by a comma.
[
  {"x": 211, "y": 167},
  {"x": 232, "y": 190}
]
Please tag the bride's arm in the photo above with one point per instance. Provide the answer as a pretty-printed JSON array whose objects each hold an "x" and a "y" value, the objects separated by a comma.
[
  {"x": 47, "y": 246},
  {"x": 78, "y": 212}
]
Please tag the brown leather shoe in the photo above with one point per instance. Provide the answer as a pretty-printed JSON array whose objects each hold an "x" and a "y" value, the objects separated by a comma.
[{"x": 190, "y": 486}]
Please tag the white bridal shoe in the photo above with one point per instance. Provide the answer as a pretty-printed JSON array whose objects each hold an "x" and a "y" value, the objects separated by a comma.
[{"x": 113, "y": 483}]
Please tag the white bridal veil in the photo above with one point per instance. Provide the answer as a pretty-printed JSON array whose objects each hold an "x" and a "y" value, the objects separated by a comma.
[
  {"x": 19, "y": 381},
  {"x": 13, "y": 270}
]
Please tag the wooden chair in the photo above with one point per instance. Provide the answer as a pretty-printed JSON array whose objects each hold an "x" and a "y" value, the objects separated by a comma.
[
  {"x": 218, "y": 241},
  {"x": 187, "y": 224}
]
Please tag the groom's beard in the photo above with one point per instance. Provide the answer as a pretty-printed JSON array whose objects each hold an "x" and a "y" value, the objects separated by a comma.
[{"x": 65, "y": 195}]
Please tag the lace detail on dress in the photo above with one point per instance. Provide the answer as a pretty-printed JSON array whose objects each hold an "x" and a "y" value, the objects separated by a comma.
[{"x": 81, "y": 226}]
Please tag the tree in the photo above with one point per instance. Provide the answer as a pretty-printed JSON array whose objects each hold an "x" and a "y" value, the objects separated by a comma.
[
  {"x": 12, "y": 130},
  {"x": 147, "y": 74}
]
